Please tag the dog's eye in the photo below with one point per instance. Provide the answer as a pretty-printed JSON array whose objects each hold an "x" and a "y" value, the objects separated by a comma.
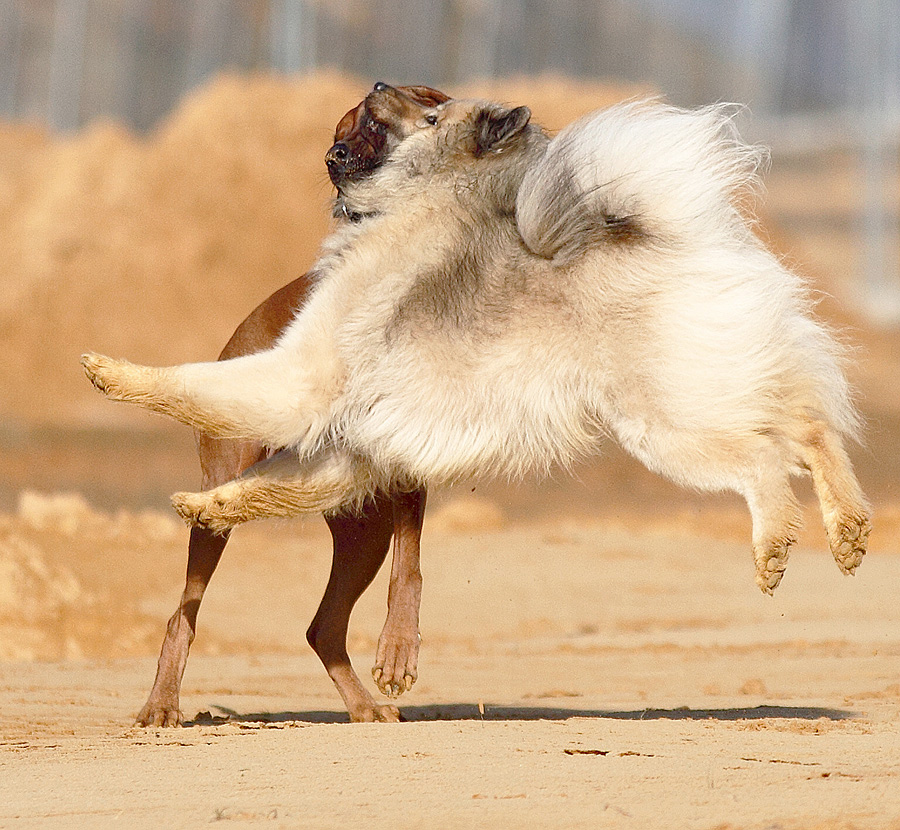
[{"x": 431, "y": 119}]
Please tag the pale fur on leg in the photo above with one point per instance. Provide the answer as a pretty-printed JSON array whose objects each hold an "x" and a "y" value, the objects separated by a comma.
[
  {"x": 282, "y": 486},
  {"x": 154, "y": 388},
  {"x": 270, "y": 396},
  {"x": 845, "y": 510}
]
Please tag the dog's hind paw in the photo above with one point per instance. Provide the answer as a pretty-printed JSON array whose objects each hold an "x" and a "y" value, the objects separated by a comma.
[
  {"x": 848, "y": 544},
  {"x": 396, "y": 661},
  {"x": 771, "y": 562}
]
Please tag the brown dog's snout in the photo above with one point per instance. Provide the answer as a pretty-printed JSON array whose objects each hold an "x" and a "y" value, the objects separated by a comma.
[
  {"x": 337, "y": 155},
  {"x": 339, "y": 152},
  {"x": 341, "y": 163},
  {"x": 359, "y": 139}
]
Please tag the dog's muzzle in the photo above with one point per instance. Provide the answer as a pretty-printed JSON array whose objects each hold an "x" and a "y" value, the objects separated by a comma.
[{"x": 336, "y": 162}]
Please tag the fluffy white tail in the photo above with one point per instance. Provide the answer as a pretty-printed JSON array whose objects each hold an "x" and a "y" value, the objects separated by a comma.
[{"x": 638, "y": 170}]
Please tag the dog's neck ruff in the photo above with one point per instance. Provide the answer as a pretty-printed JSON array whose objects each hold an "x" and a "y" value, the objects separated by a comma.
[{"x": 341, "y": 210}]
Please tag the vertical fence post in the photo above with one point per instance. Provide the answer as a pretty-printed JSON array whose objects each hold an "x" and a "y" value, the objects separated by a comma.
[
  {"x": 877, "y": 128},
  {"x": 67, "y": 63},
  {"x": 10, "y": 50},
  {"x": 292, "y": 35}
]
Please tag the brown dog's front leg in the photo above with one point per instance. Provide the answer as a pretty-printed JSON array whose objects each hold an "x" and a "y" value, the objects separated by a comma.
[
  {"x": 163, "y": 707},
  {"x": 398, "y": 647},
  {"x": 220, "y": 461},
  {"x": 361, "y": 544}
]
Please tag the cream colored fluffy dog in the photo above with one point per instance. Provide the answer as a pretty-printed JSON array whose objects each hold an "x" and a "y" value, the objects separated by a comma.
[{"x": 509, "y": 300}]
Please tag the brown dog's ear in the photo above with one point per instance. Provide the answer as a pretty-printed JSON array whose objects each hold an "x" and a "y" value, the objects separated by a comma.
[
  {"x": 425, "y": 95},
  {"x": 493, "y": 128},
  {"x": 350, "y": 123}
]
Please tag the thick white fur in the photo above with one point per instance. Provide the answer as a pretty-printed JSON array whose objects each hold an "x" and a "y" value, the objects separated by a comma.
[
  {"x": 679, "y": 172},
  {"x": 686, "y": 339}
]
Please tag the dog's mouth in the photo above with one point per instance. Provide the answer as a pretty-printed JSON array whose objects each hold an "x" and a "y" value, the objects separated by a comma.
[{"x": 345, "y": 166}]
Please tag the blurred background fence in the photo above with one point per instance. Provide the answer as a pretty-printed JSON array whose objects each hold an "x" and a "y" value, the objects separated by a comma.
[{"x": 817, "y": 74}]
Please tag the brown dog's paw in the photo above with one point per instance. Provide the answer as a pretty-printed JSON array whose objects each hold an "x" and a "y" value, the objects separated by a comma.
[
  {"x": 396, "y": 661},
  {"x": 377, "y": 714},
  {"x": 159, "y": 714}
]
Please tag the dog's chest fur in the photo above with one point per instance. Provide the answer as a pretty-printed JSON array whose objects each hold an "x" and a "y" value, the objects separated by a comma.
[{"x": 429, "y": 343}]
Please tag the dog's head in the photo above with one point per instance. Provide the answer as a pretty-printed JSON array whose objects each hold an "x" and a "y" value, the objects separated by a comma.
[
  {"x": 482, "y": 145},
  {"x": 446, "y": 130},
  {"x": 362, "y": 142}
]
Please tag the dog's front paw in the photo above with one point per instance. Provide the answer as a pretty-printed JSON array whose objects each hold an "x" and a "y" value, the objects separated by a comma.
[
  {"x": 114, "y": 378},
  {"x": 376, "y": 713},
  {"x": 216, "y": 510},
  {"x": 96, "y": 367},
  {"x": 160, "y": 713},
  {"x": 396, "y": 660}
]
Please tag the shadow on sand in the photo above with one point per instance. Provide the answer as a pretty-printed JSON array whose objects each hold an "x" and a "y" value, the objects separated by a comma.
[{"x": 470, "y": 711}]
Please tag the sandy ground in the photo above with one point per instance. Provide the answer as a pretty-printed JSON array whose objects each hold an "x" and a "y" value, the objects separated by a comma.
[
  {"x": 572, "y": 675},
  {"x": 595, "y": 653}
]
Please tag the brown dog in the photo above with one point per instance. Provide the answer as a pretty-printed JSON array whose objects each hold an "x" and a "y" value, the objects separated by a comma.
[{"x": 361, "y": 541}]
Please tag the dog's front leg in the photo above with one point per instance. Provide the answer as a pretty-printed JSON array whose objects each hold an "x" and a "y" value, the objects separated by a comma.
[
  {"x": 274, "y": 396},
  {"x": 282, "y": 486}
]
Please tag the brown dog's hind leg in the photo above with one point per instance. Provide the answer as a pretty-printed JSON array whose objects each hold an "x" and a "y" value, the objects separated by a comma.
[
  {"x": 844, "y": 507},
  {"x": 398, "y": 646},
  {"x": 361, "y": 544}
]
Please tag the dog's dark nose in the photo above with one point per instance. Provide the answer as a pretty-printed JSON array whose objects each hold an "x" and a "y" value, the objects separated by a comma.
[
  {"x": 380, "y": 86},
  {"x": 338, "y": 153},
  {"x": 336, "y": 162}
]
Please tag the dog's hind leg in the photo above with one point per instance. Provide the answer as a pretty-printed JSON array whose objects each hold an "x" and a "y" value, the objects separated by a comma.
[
  {"x": 396, "y": 659},
  {"x": 776, "y": 518},
  {"x": 844, "y": 508}
]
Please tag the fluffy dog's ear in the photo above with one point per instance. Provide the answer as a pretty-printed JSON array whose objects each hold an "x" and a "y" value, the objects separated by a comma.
[{"x": 493, "y": 127}]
